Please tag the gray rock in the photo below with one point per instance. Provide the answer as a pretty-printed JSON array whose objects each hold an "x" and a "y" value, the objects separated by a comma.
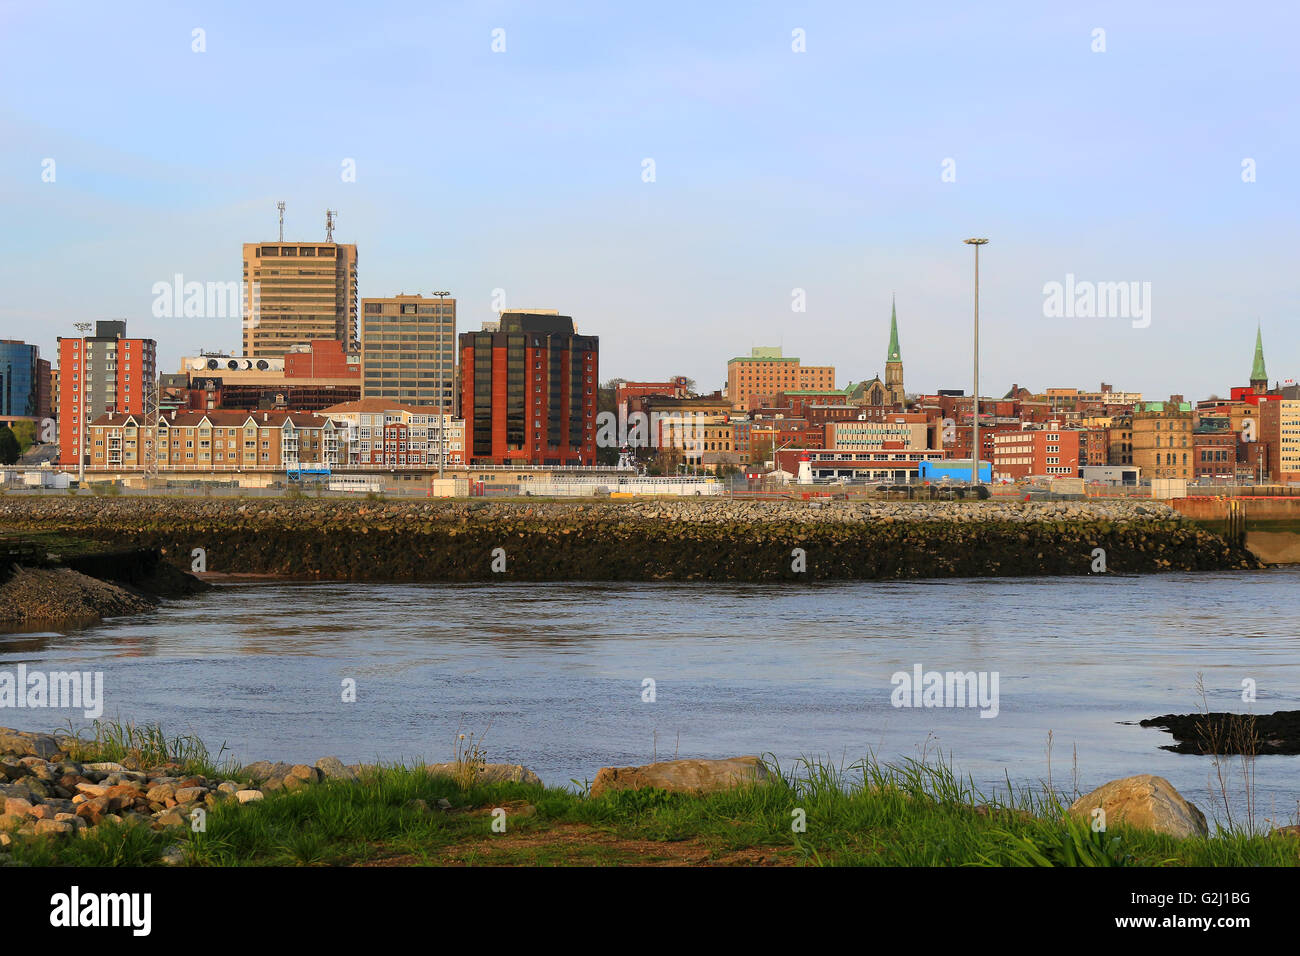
[
  {"x": 332, "y": 768},
  {"x": 266, "y": 769},
  {"x": 22, "y": 743},
  {"x": 173, "y": 856}
]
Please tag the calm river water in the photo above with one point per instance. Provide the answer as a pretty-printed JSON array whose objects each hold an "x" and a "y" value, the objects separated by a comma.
[{"x": 555, "y": 672}]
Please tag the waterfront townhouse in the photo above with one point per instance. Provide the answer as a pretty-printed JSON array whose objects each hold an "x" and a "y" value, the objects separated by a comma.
[
  {"x": 379, "y": 431},
  {"x": 215, "y": 441}
]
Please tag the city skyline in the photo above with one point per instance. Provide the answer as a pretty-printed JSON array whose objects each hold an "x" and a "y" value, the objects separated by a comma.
[{"x": 821, "y": 174}]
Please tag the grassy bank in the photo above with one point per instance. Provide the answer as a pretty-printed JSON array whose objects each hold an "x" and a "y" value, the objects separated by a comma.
[{"x": 911, "y": 814}]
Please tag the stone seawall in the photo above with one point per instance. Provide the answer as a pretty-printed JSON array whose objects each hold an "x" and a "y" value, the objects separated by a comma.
[
  {"x": 1271, "y": 524},
  {"x": 639, "y": 540}
]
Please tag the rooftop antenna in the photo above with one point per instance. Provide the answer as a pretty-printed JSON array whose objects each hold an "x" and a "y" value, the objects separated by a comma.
[
  {"x": 280, "y": 207},
  {"x": 329, "y": 224}
]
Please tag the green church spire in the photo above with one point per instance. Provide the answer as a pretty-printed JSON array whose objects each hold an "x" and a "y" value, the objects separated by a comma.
[
  {"x": 1257, "y": 372},
  {"x": 894, "y": 354}
]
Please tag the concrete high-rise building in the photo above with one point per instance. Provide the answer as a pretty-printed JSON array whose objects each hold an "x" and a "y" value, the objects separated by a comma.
[
  {"x": 298, "y": 291},
  {"x": 408, "y": 350},
  {"x": 528, "y": 391},
  {"x": 109, "y": 376}
]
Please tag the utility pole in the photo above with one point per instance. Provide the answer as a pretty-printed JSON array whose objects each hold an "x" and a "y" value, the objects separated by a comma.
[{"x": 975, "y": 406}]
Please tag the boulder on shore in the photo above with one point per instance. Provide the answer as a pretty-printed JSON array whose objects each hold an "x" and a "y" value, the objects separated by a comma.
[
  {"x": 1146, "y": 802},
  {"x": 683, "y": 776}
]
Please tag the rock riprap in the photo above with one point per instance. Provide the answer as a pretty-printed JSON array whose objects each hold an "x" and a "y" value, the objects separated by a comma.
[
  {"x": 700, "y": 539},
  {"x": 44, "y": 791}
]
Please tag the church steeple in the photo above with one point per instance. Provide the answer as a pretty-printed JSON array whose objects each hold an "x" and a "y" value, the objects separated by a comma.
[
  {"x": 894, "y": 360},
  {"x": 894, "y": 354},
  {"x": 1258, "y": 374}
]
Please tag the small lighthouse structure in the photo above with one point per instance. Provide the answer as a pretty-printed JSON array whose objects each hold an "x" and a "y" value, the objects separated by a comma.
[{"x": 805, "y": 469}]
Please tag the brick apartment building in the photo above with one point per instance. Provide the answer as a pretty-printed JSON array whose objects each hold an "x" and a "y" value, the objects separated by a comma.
[
  {"x": 767, "y": 372},
  {"x": 528, "y": 391},
  {"x": 1214, "y": 449},
  {"x": 109, "y": 374},
  {"x": 377, "y": 431},
  {"x": 215, "y": 441},
  {"x": 1162, "y": 439},
  {"x": 1051, "y": 451},
  {"x": 630, "y": 395}
]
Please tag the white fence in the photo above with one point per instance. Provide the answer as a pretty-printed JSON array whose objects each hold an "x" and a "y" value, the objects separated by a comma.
[{"x": 589, "y": 487}]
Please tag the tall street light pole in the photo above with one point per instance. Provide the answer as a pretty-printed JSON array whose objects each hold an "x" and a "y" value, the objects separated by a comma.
[
  {"x": 442, "y": 316},
  {"x": 975, "y": 406}
]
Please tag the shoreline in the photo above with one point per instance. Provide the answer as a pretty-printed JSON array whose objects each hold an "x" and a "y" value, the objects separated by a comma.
[{"x": 68, "y": 801}]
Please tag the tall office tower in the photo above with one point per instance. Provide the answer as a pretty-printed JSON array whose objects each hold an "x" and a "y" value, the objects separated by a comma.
[
  {"x": 298, "y": 291},
  {"x": 109, "y": 374},
  {"x": 528, "y": 391},
  {"x": 408, "y": 350},
  {"x": 20, "y": 380}
]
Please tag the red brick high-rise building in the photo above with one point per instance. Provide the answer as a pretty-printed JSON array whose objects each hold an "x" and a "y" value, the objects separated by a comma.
[
  {"x": 528, "y": 391},
  {"x": 108, "y": 376}
]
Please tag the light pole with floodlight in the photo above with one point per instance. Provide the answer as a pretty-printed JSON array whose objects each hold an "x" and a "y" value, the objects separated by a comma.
[
  {"x": 442, "y": 316},
  {"x": 975, "y": 406}
]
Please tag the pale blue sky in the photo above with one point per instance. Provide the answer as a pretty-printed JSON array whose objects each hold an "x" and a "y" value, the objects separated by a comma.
[{"x": 775, "y": 170}]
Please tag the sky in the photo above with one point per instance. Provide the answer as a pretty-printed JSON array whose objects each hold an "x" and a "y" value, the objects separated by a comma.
[{"x": 685, "y": 180}]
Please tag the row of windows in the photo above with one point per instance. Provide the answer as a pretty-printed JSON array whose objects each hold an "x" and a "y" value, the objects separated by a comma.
[{"x": 324, "y": 252}]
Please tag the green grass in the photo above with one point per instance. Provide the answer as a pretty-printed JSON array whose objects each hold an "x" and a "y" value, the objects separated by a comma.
[
  {"x": 912, "y": 814},
  {"x": 143, "y": 746},
  {"x": 53, "y": 542}
]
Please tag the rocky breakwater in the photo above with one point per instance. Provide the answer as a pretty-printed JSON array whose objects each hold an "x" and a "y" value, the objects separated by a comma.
[
  {"x": 45, "y": 792},
  {"x": 87, "y": 585},
  {"x": 696, "y": 539}
]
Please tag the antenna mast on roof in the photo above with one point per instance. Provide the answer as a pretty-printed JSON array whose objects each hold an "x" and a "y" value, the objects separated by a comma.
[
  {"x": 329, "y": 224},
  {"x": 280, "y": 207}
]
